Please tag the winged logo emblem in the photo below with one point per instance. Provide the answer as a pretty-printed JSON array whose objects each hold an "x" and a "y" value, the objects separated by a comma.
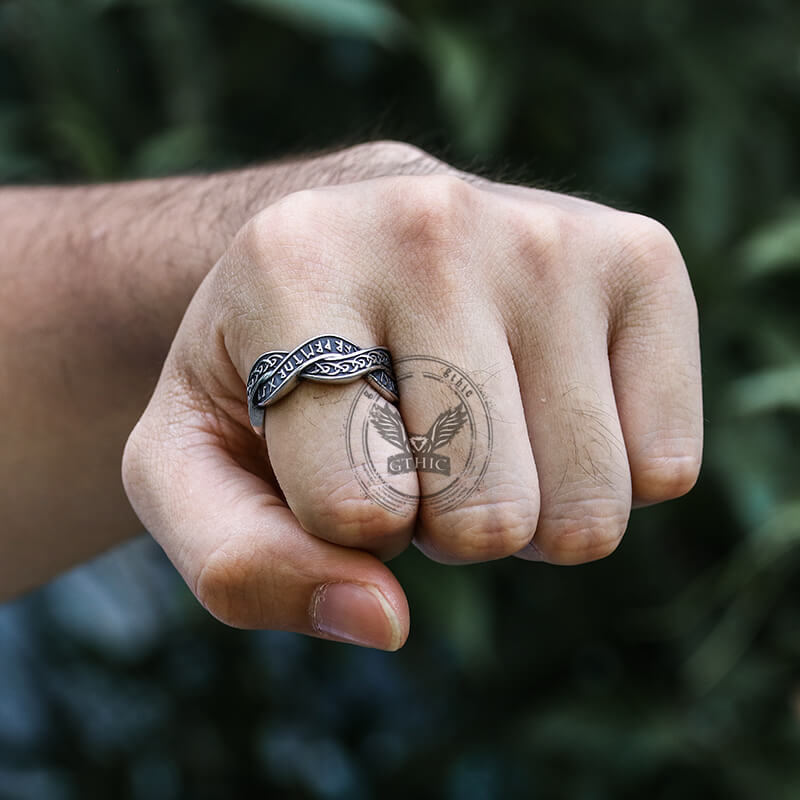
[{"x": 418, "y": 452}]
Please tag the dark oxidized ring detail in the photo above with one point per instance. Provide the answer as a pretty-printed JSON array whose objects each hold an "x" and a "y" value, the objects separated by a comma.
[{"x": 325, "y": 359}]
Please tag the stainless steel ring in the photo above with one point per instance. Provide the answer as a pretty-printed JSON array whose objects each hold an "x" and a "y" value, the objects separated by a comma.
[{"x": 324, "y": 359}]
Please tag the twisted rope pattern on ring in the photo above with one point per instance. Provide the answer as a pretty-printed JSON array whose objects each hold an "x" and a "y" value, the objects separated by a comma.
[{"x": 325, "y": 359}]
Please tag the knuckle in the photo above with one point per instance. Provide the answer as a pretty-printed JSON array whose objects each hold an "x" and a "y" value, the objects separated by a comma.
[
  {"x": 430, "y": 213},
  {"x": 339, "y": 511},
  {"x": 481, "y": 532},
  {"x": 132, "y": 459},
  {"x": 137, "y": 464},
  {"x": 394, "y": 154},
  {"x": 281, "y": 228},
  {"x": 649, "y": 245},
  {"x": 541, "y": 242},
  {"x": 546, "y": 236},
  {"x": 361, "y": 521},
  {"x": 431, "y": 222},
  {"x": 285, "y": 233},
  {"x": 227, "y": 587},
  {"x": 169, "y": 426},
  {"x": 583, "y": 532},
  {"x": 664, "y": 476},
  {"x": 251, "y": 240},
  {"x": 282, "y": 221}
]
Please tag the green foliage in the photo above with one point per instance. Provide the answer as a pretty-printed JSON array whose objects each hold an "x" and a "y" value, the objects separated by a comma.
[
  {"x": 370, "y": 19},
  {"x": 672, "y": 669}
]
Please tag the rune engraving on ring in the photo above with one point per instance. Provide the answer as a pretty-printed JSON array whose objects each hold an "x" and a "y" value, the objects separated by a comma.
[{"x": 324, "y": 359}]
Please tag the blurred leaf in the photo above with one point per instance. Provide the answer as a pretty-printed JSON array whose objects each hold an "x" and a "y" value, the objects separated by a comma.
[
  {"x": 774, "y": 247},
  {"x": 185, "y": 59},
  {"x": 80, "y": 133},
  {"x": 177, "y": 149},
  {"x": 472, "y": 83},
  {"x": 16, "y": 164},
  {"x": 370, "y": 19},
  {"x": 743, "y": 615},
  {"x": 648, "y": 738},
  {"x": 744, "y": 587},
  {"x": 457, "y": 605},
  {"x": 711, "y": 188},
  {"x": 767, "y": 391}
]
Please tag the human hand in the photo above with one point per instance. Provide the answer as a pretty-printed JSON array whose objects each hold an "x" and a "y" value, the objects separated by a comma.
[{"x": 572, "y": 327}]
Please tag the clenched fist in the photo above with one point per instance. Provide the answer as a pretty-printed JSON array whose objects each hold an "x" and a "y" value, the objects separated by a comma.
[{"x": 547, "y": 359}]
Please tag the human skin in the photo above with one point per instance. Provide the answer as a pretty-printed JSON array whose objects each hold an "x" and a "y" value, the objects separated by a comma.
[
  {"x": 577, "y": 321},
  {"x": 94, "y": 281}
]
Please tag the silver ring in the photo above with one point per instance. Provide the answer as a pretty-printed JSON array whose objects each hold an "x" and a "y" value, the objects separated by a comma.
[{"x": 324, "y": 359}]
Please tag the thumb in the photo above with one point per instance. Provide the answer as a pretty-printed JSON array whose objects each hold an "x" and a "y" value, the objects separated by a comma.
[{"x": 236, "y": 543}]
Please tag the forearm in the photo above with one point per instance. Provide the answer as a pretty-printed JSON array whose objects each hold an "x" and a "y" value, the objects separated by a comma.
[{"x": 93, "y": 284}]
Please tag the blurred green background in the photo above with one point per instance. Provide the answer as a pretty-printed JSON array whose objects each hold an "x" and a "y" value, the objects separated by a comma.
[{"x": 669, "y": 670}]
